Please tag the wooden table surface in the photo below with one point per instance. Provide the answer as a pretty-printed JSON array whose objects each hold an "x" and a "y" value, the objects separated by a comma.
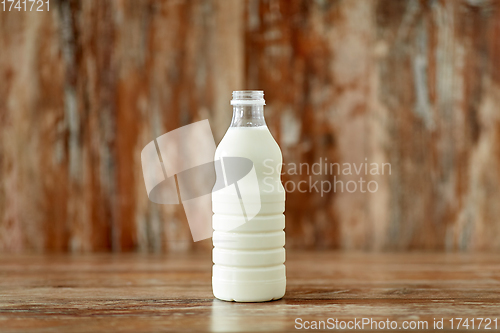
[{"x": 136, "y": 293}]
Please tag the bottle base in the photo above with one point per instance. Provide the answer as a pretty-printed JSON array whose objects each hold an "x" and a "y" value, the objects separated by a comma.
[{"x": 258, "y": 291}]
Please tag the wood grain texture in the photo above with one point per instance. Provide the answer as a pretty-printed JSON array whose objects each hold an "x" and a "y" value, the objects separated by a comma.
[
  {"x": 416, "y": 84},
  {"x": 145, "y": 293}
]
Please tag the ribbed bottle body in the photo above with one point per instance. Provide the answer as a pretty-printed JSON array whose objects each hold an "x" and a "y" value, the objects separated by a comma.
[{"x": 249, "y": 253}]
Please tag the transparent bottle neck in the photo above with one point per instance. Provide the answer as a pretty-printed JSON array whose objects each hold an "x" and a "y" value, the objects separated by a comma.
[{"x": 251, "y": 115}]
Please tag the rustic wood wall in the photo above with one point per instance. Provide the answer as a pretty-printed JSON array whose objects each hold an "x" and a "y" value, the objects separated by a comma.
[{"x": 85, "y": 86}]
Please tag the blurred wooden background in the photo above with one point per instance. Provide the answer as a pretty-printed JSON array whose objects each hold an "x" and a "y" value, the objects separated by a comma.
[{"x": 84, "y": 87}]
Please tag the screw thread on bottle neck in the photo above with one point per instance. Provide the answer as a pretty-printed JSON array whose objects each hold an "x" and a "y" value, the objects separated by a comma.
[{"x": 248, "y": 108}]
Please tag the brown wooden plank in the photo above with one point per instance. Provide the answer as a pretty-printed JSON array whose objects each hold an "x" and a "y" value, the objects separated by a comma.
[
  {"x": 416, "y": 84},
  {"x": 173, "y": 293}
]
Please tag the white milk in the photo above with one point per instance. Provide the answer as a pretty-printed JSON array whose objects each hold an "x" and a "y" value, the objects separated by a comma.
[{"x": 249, "y": 259}]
